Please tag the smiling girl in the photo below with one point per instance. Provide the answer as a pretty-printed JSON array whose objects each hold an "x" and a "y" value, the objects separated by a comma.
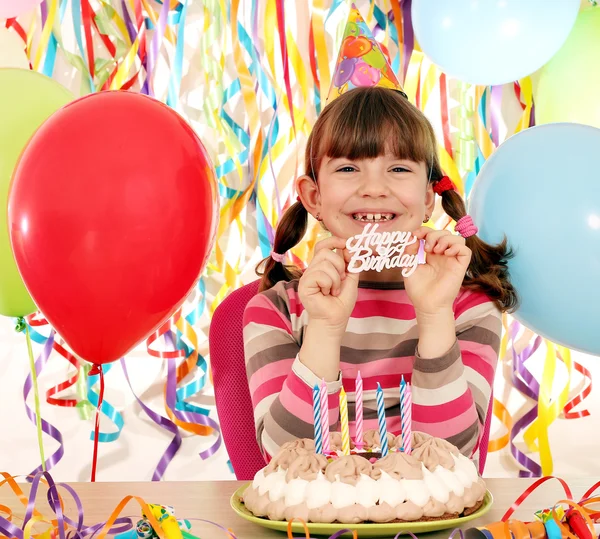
[{"x": 371, "y": 158}]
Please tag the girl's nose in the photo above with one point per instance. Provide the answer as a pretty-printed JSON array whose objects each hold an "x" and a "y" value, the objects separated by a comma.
[{"x": 373, "y": 184}]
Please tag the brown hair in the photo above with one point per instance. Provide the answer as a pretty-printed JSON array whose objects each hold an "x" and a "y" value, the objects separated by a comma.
[{"x": 364, "y": 123}]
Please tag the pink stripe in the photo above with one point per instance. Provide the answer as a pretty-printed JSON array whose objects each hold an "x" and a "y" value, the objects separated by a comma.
[
  {"x": 479, "y": 364},
  {"x": 446, "y": 429},
  {"x": 295, "y": 305},
  {"x": 393, "y": 366},
  {"x": 369, "y": 294},
  {"x": 385, "y": 309},
  {"x": 281, "y": 367},
  {"x": 469, "y": 301},
  {"x": 299, "y": 388},
  {"x": 295, "y": 405},
  {"x": 267, "y": 388},
  {"x": 267, "y": 317},
  {"x": 443, "y": 412}
]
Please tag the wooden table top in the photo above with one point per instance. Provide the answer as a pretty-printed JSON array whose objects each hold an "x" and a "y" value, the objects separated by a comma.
[{"x": 210, "y": 500}]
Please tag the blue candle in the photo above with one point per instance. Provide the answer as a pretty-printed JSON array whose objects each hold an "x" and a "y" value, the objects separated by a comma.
[
  {"x": 317, "y": 419},
  {"x": 381, "y": 420}
]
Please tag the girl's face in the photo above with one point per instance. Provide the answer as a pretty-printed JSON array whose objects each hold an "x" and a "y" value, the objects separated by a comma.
[{"x": 392, "y": 192}]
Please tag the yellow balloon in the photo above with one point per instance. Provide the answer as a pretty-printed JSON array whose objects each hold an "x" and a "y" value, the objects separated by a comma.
[{"x": 566, "y": 88}]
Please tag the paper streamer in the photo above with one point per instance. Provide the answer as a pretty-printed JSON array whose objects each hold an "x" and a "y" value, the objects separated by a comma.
[
  {"x": 47, "y": 428},
  {"x": 163, "y": 422}
]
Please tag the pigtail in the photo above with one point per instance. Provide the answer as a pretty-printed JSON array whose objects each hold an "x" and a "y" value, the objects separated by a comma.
[
  {"x": 290, "y": 231},
  {"x": 488, "y": 270}
]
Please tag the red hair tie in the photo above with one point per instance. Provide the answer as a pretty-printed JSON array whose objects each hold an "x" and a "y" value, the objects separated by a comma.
[{"x": 445, "y": 184}]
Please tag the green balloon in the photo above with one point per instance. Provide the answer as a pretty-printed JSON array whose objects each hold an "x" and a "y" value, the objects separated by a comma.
[
  {"x": 566, "y": 88},
  {"x": 27, "y": 99},
  {"x": 375, "y": 58}
]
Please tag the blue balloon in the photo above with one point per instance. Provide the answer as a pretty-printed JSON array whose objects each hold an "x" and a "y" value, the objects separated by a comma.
[
  {"x": 491, "y": 42},
  {"x": 541, "y": 189}
]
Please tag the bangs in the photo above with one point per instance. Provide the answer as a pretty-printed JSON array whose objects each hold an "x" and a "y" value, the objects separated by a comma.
[{"x": 367, "y": 123}]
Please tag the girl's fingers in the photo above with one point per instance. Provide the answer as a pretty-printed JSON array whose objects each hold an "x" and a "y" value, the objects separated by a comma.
[
  {"x": 333, "y": 258},
  {"x": 330, "y": 243},
  {"x": 322, "y": 281},
  {"x": 328, "y": 269}
]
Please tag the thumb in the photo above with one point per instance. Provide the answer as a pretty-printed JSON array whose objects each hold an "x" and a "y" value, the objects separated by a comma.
[{"x": 349, "y": 287}]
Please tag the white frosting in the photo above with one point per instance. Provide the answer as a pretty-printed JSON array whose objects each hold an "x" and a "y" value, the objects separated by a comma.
[
  {"x": 367, "y": 491},
  {"x": 266, "y": 483},
  {"x": 390, "y": 490},
  {"x": 259, "y": 481},
  {"x": 318, "y": 492},
  {"x": 295, "y": 492},
  {"x": 462, "y": 472},
  {"x": 277, "y": 486},
  {"x": 438, "y": 489},
  {"x": 450, "y": 480},
  {"x": 416, "y": 491},
  {"x": 465, "y": 464},
  {"x": 343, "y": 495}
]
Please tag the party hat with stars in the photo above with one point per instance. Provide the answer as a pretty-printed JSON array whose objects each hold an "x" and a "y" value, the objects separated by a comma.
[{"x": 361, "y": 61}]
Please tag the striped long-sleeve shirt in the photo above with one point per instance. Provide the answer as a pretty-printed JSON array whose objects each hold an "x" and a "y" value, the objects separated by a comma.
[{"x": 451, "y": 393}]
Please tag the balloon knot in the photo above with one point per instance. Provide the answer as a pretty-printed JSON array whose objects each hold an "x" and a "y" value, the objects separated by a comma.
[
  {"x": 20, "y": 324},
  {"x": 95, "y": 370}
]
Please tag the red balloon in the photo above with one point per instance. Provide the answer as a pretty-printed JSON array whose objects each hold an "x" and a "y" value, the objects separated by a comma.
[{"x": 112, "y": 215}]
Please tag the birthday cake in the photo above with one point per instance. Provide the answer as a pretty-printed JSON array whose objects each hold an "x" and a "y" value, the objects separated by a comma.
[{"x": 433, "y": 482}]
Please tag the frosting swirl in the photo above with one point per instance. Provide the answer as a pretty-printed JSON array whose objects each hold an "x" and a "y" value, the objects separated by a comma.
[
  {"x": 398, "y": 466},
  {"x": 335, "y": 441},
  {"x": 348, "y": 469},
  {"x": 372, "y": 440},
  {"x": 306, "y": 467},
  {"x": 433, "y": 455},
  {"x": 418, "y": 438},
  {"x": 287, "y": 455}
]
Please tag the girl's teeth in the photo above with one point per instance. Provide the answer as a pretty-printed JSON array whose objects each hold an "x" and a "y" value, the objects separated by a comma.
[{"x": 373, "y": 216}]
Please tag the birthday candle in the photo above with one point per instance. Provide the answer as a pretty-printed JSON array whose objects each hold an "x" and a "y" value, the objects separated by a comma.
[
  {"x": 358, "y": 438},
  {"x": 344, "y": 421},
  {"x": 406, "y": 415},
  {"x": 317, "y": 419},
  {"x": 324, "y": 417},
  {"x": 381, "y": 420}
]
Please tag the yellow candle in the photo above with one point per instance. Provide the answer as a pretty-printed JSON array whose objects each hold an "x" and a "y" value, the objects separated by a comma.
[{"x": 344, "y": 421}]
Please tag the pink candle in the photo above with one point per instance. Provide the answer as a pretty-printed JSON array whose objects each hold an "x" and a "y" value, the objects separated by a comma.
[
  {"x": 406, "y": 415},
  {"x": 325, "y": 418},
  {"x": 358, "y": 436}
]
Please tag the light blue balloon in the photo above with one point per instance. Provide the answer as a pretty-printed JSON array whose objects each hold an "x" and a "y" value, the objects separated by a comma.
[
  {"x": 491, "y": 42},
  {"x": 541, "y": 189}
]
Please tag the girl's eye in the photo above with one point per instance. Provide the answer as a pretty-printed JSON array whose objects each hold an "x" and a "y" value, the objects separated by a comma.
[
  {"x": 400, "y": 169},
  {"x": 347, "y": 169}
]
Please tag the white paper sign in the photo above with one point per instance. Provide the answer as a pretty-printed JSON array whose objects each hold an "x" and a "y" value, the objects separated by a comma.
[{"x": 372, "y": 250}]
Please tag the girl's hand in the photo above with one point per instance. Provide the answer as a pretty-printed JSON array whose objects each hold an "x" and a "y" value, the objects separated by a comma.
[
  {"x": 327, "y": 291},
  {"x": 433, "y": 286}
]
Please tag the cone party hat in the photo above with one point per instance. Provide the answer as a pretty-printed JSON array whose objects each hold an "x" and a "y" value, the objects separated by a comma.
[{"x": 361, "y": 61}]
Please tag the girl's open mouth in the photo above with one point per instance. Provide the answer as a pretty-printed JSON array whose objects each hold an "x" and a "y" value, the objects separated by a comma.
[{"x": 373, "y": 217}]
